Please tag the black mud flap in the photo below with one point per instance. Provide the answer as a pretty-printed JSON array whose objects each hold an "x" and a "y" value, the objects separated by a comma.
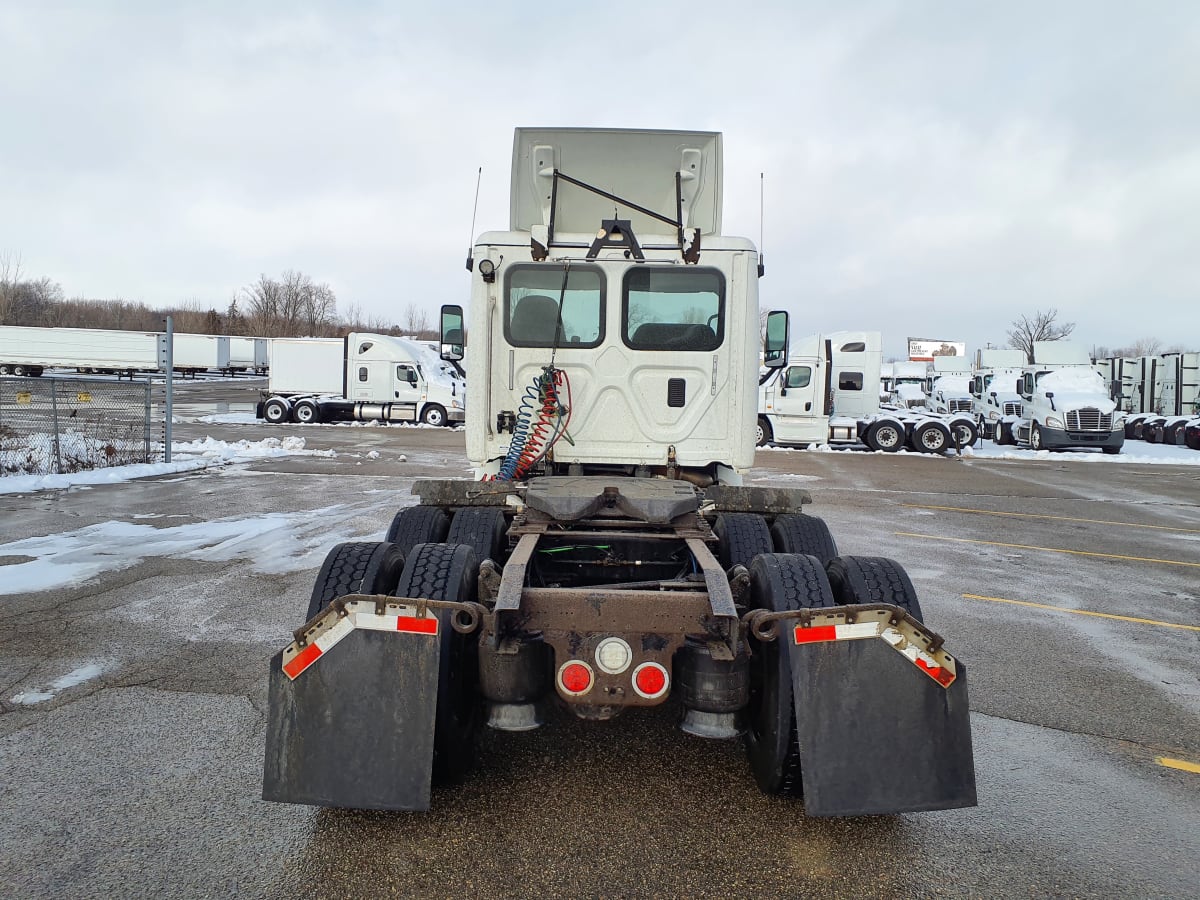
[
  {"x": 877, "y": 733},
  {"x": 355, "y": 728}
]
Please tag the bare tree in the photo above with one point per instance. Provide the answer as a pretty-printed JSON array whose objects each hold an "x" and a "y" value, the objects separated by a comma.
[
  {"x": 262, "y": 306},
  {"x": 320, "y": 308},
  {"x": 416, "y": 320},
  {"x": 10, "y": 277},
  {"x": 1043, "y": 326}
]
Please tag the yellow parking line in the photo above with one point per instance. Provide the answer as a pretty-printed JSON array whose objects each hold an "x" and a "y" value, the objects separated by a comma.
[
  {"x": 1148, "y": 559},
  {"x": 1178, "y": 764},
  {"x": 1084, "y": 612},
  {"x": 990, "y": 512}
]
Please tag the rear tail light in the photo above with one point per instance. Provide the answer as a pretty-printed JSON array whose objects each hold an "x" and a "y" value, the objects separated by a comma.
[
  {"x": 650, "y": 680},
  {"x": 575, "y": 678}
]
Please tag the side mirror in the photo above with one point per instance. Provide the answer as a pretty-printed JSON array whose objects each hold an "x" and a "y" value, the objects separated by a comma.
[
  {"x": 412, "y": 377},
  {"x": 452, "y": 334},
  {"x": 1049, "y": 395},
  {"x": 775, "y": 346}
]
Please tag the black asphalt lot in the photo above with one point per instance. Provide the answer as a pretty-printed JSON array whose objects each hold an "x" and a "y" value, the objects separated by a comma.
[{"x": 144, "y": 780}]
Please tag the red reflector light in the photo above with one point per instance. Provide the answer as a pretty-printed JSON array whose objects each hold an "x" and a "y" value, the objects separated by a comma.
[
  {"x": 575, "y": 677},
  {"x": 650, "y": 680}
]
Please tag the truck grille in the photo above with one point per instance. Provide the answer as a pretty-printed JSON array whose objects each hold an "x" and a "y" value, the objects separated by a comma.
[
  {"x": 1089, "y": 419},
  {"x": 960, "y": 406},
  {"x": 1012, "y": 409}
]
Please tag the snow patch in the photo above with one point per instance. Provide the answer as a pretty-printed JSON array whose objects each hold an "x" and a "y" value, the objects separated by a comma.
[{"x": 71, "y": 679}]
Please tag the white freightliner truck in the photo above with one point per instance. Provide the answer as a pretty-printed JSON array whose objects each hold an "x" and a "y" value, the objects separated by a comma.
[
  {"x": 363, "y": 377},
  {"x": 909, "y": 380},
  {"x": 609, "y": 556},
  {"x": 995, "y": 403},
  {"x": 948, "y": 384},
  {"x": 824, "y": 395},
  {"x": 1065, "y": 403}
]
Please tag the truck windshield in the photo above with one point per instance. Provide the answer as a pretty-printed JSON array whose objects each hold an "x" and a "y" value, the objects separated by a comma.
[
  {"x": 531, "y": 316},
  {"x": 673, "y": 309}
]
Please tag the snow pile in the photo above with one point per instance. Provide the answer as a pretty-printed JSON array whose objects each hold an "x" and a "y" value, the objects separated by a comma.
[
  {"x": 1072, "y": 381},
  {"x": 186, "y": 457},
  {"x": 32, "y": 453}
]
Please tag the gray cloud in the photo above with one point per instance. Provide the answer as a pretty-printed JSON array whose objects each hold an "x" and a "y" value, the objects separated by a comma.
[{"x": 931, "y": 168}]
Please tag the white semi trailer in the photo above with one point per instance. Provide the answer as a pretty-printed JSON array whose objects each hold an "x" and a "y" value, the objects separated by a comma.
[
  {"x": 249, "y": 354},
  {"x": 825, "y": 395},
  {"x": 363, "y": 377},
  {"x": 609, "y": 557},
  {"x": 30, "y": 351}
]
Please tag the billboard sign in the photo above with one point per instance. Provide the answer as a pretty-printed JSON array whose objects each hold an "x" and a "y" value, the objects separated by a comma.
[{"x": 925, "y": 349}]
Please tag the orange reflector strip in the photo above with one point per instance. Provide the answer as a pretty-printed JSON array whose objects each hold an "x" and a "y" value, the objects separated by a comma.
[
  {"x": 426, "y": 625},
  {"x": 816, "y": 634},
  {"x": 302, "y": 661},
  {"x": 939, "y": 674}
]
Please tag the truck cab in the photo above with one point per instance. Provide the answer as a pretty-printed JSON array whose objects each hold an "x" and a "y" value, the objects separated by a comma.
[
  {"x": 646, "y": 326},
  {"x": 910, "y": 381},
  {"x": 1065, "y": 403},
  {"x": 823, "y": 392}
]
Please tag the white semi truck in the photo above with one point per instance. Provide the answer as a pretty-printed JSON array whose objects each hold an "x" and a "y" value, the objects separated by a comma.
[
  {"x": 1065, "y": 403},
  {"x": 363, "y": 377},
  {"x": 609, "y": 557},
  {"x": 825, "y": 395},
  {"x": 948, "y": 384},
  {"x": 909, "y": 381},
  {"x": 995, "y": 403}
]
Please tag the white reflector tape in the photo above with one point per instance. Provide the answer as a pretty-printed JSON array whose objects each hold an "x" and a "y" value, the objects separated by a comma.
[
  {"x": 405, "y": 620},
  {"x": 332, "y": 627},
  {"x": 910, "y": 642},
  {"x": 817, "y": 633},
  {"x": 305, "y": 656}
]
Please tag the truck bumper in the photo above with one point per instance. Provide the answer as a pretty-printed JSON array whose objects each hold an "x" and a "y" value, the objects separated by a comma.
[
  {"x": 1061, "y": 439},
  {"x": 456, "y": 415}
]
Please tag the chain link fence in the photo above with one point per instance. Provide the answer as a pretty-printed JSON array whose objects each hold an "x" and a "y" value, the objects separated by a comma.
[{"x": 50, "y": 426}]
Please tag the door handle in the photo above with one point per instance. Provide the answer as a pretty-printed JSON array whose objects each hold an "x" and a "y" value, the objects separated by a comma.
[{"x": 808, "y": 406}]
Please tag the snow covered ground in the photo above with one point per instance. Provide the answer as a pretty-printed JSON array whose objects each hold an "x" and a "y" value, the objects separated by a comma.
[
  {"x": 1133, "y": 452},
  {"x": 186, "y": 457}
]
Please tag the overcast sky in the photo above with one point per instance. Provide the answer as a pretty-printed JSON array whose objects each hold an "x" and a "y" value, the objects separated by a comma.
[{"x": 931, "y": 169}]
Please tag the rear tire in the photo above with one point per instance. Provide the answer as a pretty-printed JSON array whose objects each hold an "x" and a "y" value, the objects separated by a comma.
[
  {"x": 803, "y": 534},
  {"x": 356, "y": 568},
  {"x": 741, "y": 537},
  {"x": 778, "y": 582},
  {"x": 449, "y": 572},
  {"x": 276, "y": 411},
  {"x": 418, "y": 525},
  {"x": 306, "y": 412},
  {"x": 481, "y": 528},
  {"x": 872, "y": 579},
  {"x": 763, "y": 434},
  {"x": 963, "y": 434},
  {"x": 931, "y": 437},
  {"x": 886, "y": 436}
]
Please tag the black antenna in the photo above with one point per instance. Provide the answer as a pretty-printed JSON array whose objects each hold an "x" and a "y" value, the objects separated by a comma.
[
  {"x": 474, "y": 213},
  {"x": 762, "y": 267}
]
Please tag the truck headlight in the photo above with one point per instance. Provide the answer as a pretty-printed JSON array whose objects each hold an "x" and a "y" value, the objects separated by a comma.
[
  {"x": 455, "y": 404},
  {"x": 1118, "y": 424},
  {"x": 1052, "y": 422},
  {"x": 993, "y": 415}
]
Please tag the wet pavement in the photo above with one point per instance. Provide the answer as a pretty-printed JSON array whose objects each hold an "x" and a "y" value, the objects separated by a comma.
[{"x": 139, "y": 772}]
